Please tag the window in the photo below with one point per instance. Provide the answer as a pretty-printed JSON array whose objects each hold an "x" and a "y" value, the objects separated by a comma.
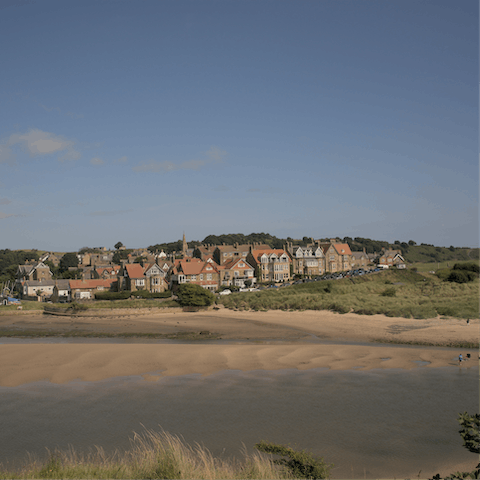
[
  {"x": 194, "y": 277},
  {"x": 241, "y": 265},
  {"x": 201, "y": 276},
  {"x": 209, "y": 276},
  {"x": 140, "y": 282}
]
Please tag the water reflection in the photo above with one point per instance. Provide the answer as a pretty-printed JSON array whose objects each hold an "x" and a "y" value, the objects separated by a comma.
[{"x": 380, "y": 423}]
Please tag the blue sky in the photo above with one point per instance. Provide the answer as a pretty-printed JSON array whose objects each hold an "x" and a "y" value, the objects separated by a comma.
[{"x": 136, "y": 121}]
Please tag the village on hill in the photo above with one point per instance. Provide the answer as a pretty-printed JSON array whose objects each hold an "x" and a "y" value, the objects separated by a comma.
[{"x": 213, "y": 267}]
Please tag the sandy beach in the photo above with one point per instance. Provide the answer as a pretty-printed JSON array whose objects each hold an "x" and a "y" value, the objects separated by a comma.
[{"x": 266, "y": 340}]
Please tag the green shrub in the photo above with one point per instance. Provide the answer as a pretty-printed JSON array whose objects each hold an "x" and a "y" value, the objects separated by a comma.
[
  {"x": 300, "y": 464},
  {"x": 113, "y": 295},
  {"x": 443, "y": 273},
  {"x": 470, "y": 266},
  {"x": 191, "y": 295},
  {"x": 470, "y": 433},
  {"x": 460, "y": 276}
]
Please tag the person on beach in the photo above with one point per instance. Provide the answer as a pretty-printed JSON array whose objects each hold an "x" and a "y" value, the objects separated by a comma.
[
  {"x": 460, "y": 358},
  {"x": 468, "y": 321}
]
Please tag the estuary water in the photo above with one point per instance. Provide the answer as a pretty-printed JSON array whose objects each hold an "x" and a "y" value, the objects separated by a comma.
[{"x": 370, "y": 424}]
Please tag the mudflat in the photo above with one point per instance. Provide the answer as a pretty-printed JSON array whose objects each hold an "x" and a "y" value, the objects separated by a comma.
[{"x": 266, "y": 340}]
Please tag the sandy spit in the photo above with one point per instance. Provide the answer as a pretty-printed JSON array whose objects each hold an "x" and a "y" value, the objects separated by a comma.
[{"x": 283, "y": 342}]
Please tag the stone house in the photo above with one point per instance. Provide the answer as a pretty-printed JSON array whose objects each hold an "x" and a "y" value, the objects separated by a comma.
[
  {"x": 35, "y": 271},
  {"x": 194, "y": 270},
  {"x": 225, "y": 253},
  {"x": 106, "y": 272},
  {"x": 271, "y": 265},
  {"x": 236, "y": 272},
  {"x": 309, "y": 260},
  {"x": 135, "y": 276},
  {"x": 36, "y": 289},
  {"x": 360, "y": 260},
  {"x": 389, "y": 258},
  {"x": 338, "y": 256},
  {"x": 156, "y": 278}
]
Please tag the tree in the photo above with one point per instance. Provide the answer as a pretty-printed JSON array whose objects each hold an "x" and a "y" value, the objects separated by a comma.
[
  {"x": 68, "y": 260},
  {"x": 412, "y": 243},
  {"x": 118, "y": 245},
  {"x": 470, "y": 431},
  {"x": 191, "y": 295}
]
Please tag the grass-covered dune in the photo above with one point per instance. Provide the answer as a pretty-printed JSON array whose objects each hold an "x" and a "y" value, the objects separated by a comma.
[
  {"x": 395, "y": 293},
  {"x": 161, "y": 455}
]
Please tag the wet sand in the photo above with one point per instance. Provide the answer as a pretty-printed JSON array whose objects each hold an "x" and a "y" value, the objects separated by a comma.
[{"x": 278, "y": 340}]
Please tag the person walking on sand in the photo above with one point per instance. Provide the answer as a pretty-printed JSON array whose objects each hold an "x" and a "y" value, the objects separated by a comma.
[
  {"x": 460, "y": 358},
  {"x": 468, "y": 321}
]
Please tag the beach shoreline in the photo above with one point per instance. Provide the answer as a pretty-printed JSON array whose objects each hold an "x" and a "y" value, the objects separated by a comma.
[{"x": 272, "y": 340}]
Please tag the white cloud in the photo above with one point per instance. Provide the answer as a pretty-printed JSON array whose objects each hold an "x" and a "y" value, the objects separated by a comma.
[
  {"x": 5, "y": 201},
  {"x": 96, "y": 161},
  {"x": 214, "y": 155},
  {"x": 121, "y": 160},
  {"x": 38, "y": 143}
]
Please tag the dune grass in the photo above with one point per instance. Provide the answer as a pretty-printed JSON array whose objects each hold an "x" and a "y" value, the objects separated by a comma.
[
  {"x": 395, "y": 293},
  {"x": 152, "y": 455}
]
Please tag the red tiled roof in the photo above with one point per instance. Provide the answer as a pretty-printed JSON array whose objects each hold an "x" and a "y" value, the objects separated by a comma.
[
  {"x": 134, "y": 270},
  {"x": 231, "y": 263},
  {"x": 258, "y": 253},
  {"x": 342, "y": 246}
]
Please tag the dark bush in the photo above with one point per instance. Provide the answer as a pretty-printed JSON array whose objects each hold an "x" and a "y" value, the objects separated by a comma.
[
  {"x": 300, "y": 464},
  {"x": 470, "y": 266},
  {"x": 191, "y": 295},
  {"x": 460, "y": 276},
  {"x": 112, "y": 295},
  {"x": 443, "y": 273}
]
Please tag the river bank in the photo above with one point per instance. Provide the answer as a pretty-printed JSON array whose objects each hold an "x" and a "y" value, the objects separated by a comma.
[{"x": 271, "y": 340}]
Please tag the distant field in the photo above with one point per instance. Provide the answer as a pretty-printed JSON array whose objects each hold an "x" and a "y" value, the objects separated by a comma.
[{"x": 434, "y": 266}]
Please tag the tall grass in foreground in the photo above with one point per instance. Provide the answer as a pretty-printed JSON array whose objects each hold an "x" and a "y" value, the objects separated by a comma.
[{"x": 152, "y": 455}]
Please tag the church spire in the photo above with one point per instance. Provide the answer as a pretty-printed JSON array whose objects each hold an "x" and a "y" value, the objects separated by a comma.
[{"x": 184, "y": 246}]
